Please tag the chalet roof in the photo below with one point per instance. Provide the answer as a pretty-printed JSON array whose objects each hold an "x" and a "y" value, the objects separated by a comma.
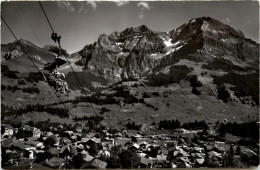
[
  {"x": 152, "y": 158},
  {"x": 55, "y": 162},
  {"x": 184, "y": 153},
  {"x": 186, "y": 165},
  {"x": 64, "y": 148},
  {"x": 29, "y": 128},
  {"x": 162, "y": 152},
  {"x": 249, "y": 153},
  {"x": 12, "y": 154},
  {"x": 185, "y": 159},
  {"x": 24, "y": 163},
  {"x": 33, "y": 143},
  {"x": 161, "y": 157},
  {"x": 91, "y": 134},
  {"x": 72, "y": 149},
  {"x": 88, "y": 158},
  {"x": 196, "y": 155},
  {"x": 175, "y": 153},
  {"x": 21, "y": 145},
  {"x": 200, "y": 160},
  {"x": 7, "y": 126},
  {"x": 95, "y": 163},
  {"x": 99, "y": 164},
  {"x": 214, "y": 154},
  {"x": 143, "y": 143},
  {"x": 32, "y": 138},
  {"x": 220, "y": 148},
  {"x": 39, "y": 166},
  {"x": 80, "y": 146},
  {"x": 141, "y": 154},
  {"x": 209, "y": 147},
  {"x": 7, "y": 142},
  {"x": 198, "y": 149},
  {"x": 136, "y": 146},
  {"x": 84, "y": 152}
]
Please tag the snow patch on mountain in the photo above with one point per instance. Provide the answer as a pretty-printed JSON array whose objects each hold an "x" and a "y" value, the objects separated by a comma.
[{"x": 167, "y": 42}]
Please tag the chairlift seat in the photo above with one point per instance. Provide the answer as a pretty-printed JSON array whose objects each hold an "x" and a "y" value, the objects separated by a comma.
[{"x": 51, "y": 66}]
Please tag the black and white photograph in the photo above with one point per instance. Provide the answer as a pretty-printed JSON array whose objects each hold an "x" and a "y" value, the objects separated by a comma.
[{"x": 129, "y": 84}]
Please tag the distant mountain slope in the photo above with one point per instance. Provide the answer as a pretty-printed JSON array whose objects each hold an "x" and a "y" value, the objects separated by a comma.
[{"x": 13, "y": 56}]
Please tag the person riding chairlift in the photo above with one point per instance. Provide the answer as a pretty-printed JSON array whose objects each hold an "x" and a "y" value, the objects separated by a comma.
[
  {"x": 55, "y": 37},
  {"x": 61, "y": 85}
]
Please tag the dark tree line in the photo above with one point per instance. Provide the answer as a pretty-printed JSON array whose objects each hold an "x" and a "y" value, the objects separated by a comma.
[
  {"x": 194, "y": 83},
  {"x": 8, "y": 73},
  {"x": 95, "y": 119},
  {"x": 61, "y": 112},
  {"x": 223, "y": 94},
  {"x": 169, "y": 124},
  {"x": 176, "y": 73},
  {"x": 245, "y": 85},
  {"x": 247, "y": 129},
  {"x": 133, "y": 126},
  {"x": 197, "y": 125},
  {"x": 34, "y": 77},
  {"x": 175, "y": 124},
  {"x": 30, "y": 90}
]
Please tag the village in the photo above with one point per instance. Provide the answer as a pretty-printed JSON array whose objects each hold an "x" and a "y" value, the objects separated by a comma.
[{"x": 30, "y": 147}]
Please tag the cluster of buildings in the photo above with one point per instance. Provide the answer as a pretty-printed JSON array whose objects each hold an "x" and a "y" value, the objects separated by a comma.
[{"x": 29, "y": 147}]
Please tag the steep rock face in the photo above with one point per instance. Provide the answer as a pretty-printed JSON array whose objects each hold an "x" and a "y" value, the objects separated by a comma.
[
  {"x": 209, "y": 40},
  {"x": 120, "y": 55}
]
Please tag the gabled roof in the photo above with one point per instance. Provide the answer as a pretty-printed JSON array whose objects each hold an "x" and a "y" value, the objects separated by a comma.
[
  {"x": 64, "y": 148},
  {"x": 162, "y": 152},
  {"x": 7, "y": 126},
  {"x": 32, "y": 138},
  {"x": 249, "y": 153},
  {"x": 7, "y": 142},
  {"x": 200, "y": 160},
  {"x": 55, "y": 162},
  {"x": 183, "y": 153},
  {"x": 84, "y": 152},
  {"x": 21, "y": 145},
  {"x": 136, "y": 146},
  {"x": 213, "y": 153},
  {"x": 39, "y": 166},
  {"x": 95, "y": 163},
  {"x": 99, "y": 164},
  {"x": 185, "y": 159},
  {"x": 33, "y": 143},
  {"x": 88, "y": 158},
  {"x": 186, "y": 165},
  {"x": 161, "y": 157}
]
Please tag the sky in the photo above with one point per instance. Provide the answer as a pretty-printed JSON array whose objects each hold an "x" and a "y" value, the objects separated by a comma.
[{"x": 81, "y": 22}]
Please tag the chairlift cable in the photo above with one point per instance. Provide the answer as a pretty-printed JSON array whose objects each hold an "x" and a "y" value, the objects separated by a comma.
[
  {"x": 33, "y": 63},
  {"x": 46, "y": 16},
  {"x": 67, "y": 59},
  {"x": 26, "y": 19}
]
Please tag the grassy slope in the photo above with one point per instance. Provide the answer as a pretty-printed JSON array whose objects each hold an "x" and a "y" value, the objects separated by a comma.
[{"x": 183, "y": 105}]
